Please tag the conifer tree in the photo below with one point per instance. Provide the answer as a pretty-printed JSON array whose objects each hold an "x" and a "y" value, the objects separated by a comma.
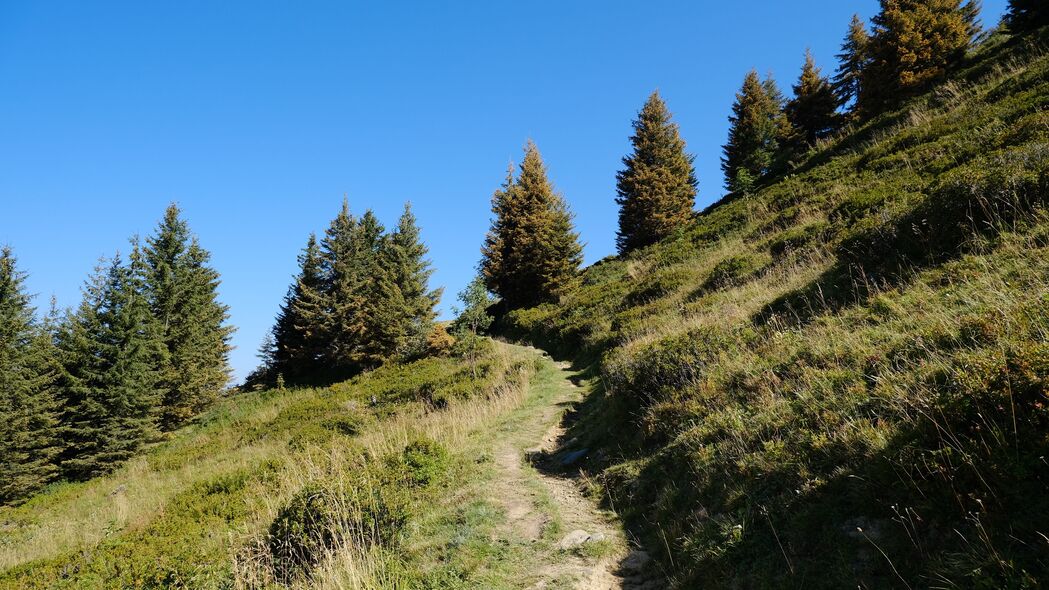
[
  {"x": 757, "y": 125},
  {"x": 351, "y": 250},
  {"x": 110, "y": 348},
  {"x": 1027, "y": 15},
  {"x": 297, "y": 342},
  {"x": 183, "y": 295},
  {"x": 405, "y": 254},
  {"x": 656, "y": 189},
  {"x": 913, "y": 44},
  {"x": 360, "y": 299},
  {"x": 813, "y": 110},
  {"x": 531, "y": 252},
  {"x": 28, "y": 445},
  {"x": 851, "y": 62}
]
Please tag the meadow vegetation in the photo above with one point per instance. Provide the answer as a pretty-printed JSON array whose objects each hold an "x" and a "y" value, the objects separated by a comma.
[
  {"x": 840, "y": 377},
  {"x": 376, "y": 482}
]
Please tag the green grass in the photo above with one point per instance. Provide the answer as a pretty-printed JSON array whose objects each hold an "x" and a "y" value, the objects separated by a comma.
[
  {"x": 314, "y": 487},
  {"x": 843, "y": 379}
]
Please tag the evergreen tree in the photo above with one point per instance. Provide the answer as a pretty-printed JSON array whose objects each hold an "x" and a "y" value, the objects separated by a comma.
[
  {"x": 183, "y": 296},
  {"x": 851, "y": 62},
  {"x": 351, "y": 250},
  {"x": 812, "y": 111},
  {"x": 913, "y": 44},
  {"x": 361, "y": 298},
  {"x": 656, "y": 190},
  {"x": 1027, "y": 15},
  {"x": 110, "y": 348},
  {"x": 532, "y": 252},
  {"x": 757, "y": 125},
  {"x": 405, "y": 254},
  {"x": 297, "y": 343},
  {"x": 28, "y": 446}
]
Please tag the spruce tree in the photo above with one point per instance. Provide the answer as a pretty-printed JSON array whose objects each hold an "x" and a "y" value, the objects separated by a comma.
[
  {"x": 183, "y": 295},
  {"x": 351, "y": 250},
  {"x": 531, "y": 252},
  {"x": 913, "y": 44},
  {"x": 813, "y": 110},
  {"x": 757, "y": 125},
  {"x": 297, "y": 340},
  {"x": 1026, "y": 15},
  {"x": 851, "y": 62},
  {"x": 110, "y": 349},
  {"x": 28, "y": 445},
  {"x": 405, "y": 254},
  {"x": 656, "y": 189}
]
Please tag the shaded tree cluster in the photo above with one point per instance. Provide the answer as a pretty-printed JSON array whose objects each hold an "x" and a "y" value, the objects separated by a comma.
[
  {"x": 145, "y": 351},
  {"x": 361, "y": 298}
]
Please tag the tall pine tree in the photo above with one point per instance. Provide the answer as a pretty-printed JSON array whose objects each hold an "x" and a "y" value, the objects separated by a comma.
[
  {"x": 851, "y": 62},
  {"x": 913, "y": 44},
  {"x": 531, "y": 252},
  {"x": 656, "y": 189},
  {"x": 813, "y": 110},
  {"x": 1027, "y": 15},
  {"x": 757, "y": 126},
  {"x": 28, "y": 419},
  {"x": 297, "y": 342},
  {"x": 110, "y": 348},
  {"x": 183, "y": 295},
  {"x": 409, "y": 276}
]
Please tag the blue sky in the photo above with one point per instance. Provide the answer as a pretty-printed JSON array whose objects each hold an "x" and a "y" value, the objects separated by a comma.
[{"x": 257, "y": 117}]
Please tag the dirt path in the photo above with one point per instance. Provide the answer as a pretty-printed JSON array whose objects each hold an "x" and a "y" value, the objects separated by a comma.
[{"x": 583, "y": 547}]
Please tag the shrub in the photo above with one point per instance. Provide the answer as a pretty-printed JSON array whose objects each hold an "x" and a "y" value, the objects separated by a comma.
[
  {"x": 733, "y": 271},
  {"x": 320, "y": 518},
  {"x": 424, "y": 462},
  {"x": 439, "y": 342},
  {"x": 798, "y": 237}
]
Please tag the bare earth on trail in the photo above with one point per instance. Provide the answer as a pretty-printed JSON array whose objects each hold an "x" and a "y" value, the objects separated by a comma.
[{"x": 539, "y": 488}]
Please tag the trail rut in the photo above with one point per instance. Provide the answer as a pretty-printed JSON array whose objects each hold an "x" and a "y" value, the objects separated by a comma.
[{"x": 542, "y": 495}]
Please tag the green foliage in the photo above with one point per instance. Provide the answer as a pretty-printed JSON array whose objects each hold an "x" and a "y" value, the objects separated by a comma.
[
  {"x": 986, "y": 197},
  {"x": 733, "y": 271},
  {"x": 913, "y": 45},
  {"x": 656, "y": 189},
  {"x": 298, "y": 337},
  {"x": 757, "y": 127},
  {"x": 852, "y": 60},
  {"x": 28, "y": 419},
  {"x": 182, "y": 291},
  {"x": 112, "y": 352},
  {"x": 531, "y": 253},
  {"x": 473, "y": 316},
  {"x": 321, "y": 518},
  {"x": 361, "y": 298},
  {"x": 424, "y": 462},
  {"x": 1026, "y": 15},
  {"x": 813, "y": 110}
]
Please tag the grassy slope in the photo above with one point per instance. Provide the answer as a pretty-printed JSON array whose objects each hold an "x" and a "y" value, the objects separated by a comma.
[
  {"x": 194, "y": 511},
  {"x": 842, "y": 379}
]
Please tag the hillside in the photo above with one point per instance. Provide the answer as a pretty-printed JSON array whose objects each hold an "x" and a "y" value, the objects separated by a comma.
[
  {"x": 406, "y": 477},
  {"x": 840, "y": 379}
]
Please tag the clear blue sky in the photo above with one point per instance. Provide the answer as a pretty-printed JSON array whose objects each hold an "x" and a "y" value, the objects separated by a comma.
[{"x": 256, "y": 117}]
